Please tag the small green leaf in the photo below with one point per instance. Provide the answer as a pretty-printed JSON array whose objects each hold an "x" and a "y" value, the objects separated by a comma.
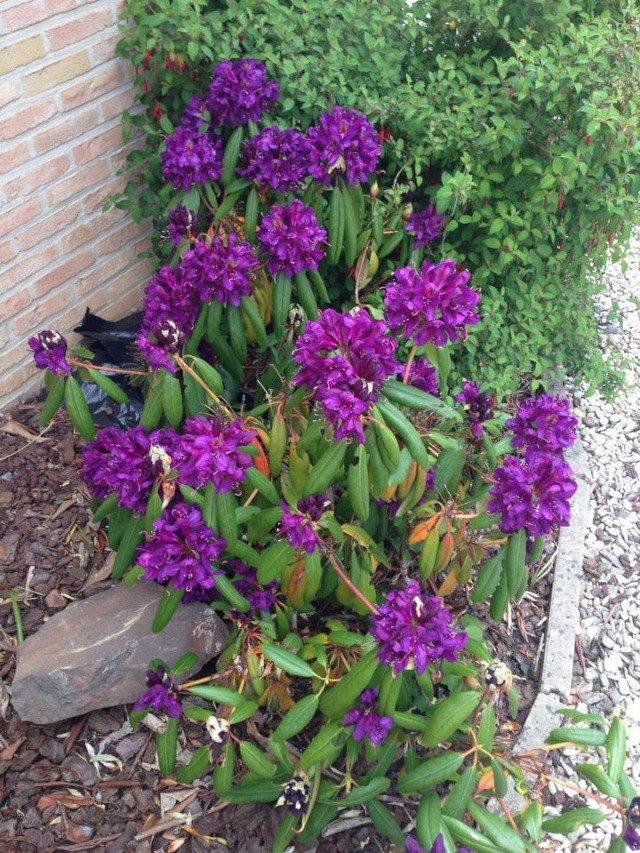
[
  {"x": 256, "y": 761},
  {"x": 168, "y": 605},
  {"x": 197, "y": 766},
  {"x": 221, "y": 695},
  {"x": 449, "y": 714},
  {"x": 568, "y": 822},
  {"x": 582, "y": 737},
  {"x": 273, "y": 560},
  {"x": 366, "y": 793},
  {"x": 430, "y": 773},
  {"x": 78, "y": 409},
  {"x": 167, "y": 745},
  {"x": 296, "y": 718},
  {"x": 324, "y": 748},
  {"x": 287, "y": 661}
]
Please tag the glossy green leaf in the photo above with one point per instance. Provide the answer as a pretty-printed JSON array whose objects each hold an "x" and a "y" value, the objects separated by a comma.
[
  {"x": 296, "y": 718},
  {"x": 430, "y": 773},
  {"x": 198, "y": 765},
  {"x": 571, "y": 820},
  {"x": 77, "y": 409},
  {"x": 169, "y": 603},
  {"x": 325, "y": 746},
  {"x": 449, "y": 714},
  {"x": 287, "y": 661},
  {"x": 273, "y": 560},
  {"x": 167, "y": 746}
]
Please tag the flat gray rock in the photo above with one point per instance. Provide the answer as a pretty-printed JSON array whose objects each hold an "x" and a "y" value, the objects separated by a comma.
[{"x": 94, "y": 653}]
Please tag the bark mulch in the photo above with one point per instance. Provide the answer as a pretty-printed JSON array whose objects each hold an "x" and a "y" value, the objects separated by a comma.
[{"x": 89, "y": 783}]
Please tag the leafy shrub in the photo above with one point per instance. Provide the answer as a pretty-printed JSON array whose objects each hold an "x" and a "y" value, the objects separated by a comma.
[
  {"x": 309, "y": 474},
  {"x": 519, "y": 119}
]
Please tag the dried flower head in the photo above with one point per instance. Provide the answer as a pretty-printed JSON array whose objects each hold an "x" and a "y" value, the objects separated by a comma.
[
  {"x": 49, "y": 350},
  {"x": 295, "y": 794},
  {"x": 218, "y": 728}
]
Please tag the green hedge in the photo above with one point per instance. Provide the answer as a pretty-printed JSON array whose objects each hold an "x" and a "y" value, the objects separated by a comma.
[{"x": 519, "y": 119}]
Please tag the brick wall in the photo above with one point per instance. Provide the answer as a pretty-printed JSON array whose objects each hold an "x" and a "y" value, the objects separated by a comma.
[{"x": 62, "y": 93}]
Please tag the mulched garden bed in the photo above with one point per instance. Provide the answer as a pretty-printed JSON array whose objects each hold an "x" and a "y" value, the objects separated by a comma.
[{"x": 53, "y": 795}]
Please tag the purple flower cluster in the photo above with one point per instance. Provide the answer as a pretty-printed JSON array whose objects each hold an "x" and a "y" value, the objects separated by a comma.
[
  {"x": 367, "y": 721},
  {"x": 432, "y": 304},
  {"x": 532, "y": 493},
  {"x": 259, "y": 597},
  {"x": 169, "y": 298},
  {"x": 181, "y": 550},
  {"x": 479, "y": 406},
  {"x": 414, "y": 629},
  {"x": 344, "y": 358},
  {"x": 191, "y": 157},
  {"x": 49, "y": 351},
  {"x": 425, "y": 225},
  {"x": 208, "y": 451},
  {"x": 424, "y": 376},
  {"x": 220, "y": 271},
  {"x": 342, "y": 142},
  {"x": 182, "y": 224},
  {"x": 161, "y": 695},
  {"x": 240, "y": 91},
  {"x": 157, "y": 346},
  {"x": 128, "y": 462},
  {"x": 276, "y": 158},
  {"x": 543, "y": 423},
  {"x": 291, "y": 237},
  {"x": 298, "y": 525}
]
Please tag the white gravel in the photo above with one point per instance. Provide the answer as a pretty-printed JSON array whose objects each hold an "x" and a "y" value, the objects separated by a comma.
[{"x": 610, "y": 605}]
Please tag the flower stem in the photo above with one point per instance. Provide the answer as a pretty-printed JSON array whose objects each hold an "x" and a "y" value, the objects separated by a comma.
[
  {"x": 17, "y": 618},
  {"x": 349, "y": 584},
  {"x": 105, "y": 368},
  {"x": 566, "y": 784},
  {"x": 407, "y": 368},
  {"x": 187, "y": 369}
]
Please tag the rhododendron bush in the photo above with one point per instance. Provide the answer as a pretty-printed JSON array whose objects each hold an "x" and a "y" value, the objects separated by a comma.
[{"x": 303, "y": 466}]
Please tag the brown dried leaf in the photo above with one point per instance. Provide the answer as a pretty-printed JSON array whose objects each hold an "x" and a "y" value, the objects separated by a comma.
[
  {"x": 64, "y": 506},
  {"x": 67, "y": 800},
  {"x": 101, "y": 573},
  {"x": 10, "y": 750},
  {"x": 14, "y": 428}
]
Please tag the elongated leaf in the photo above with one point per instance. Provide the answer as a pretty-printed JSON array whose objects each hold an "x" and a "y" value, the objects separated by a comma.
[
  {"x": 385, "y": 823},
  {"x": 338, "y": 699},
  {"x": 430, "y": 773},
  {"x": 108, "y": 505},
  {"x": 415, "y": 398},
  {"x": 616, "y": 744},
  {"x": 497, "y": 829},
  {"x": 167, "y": 746},
  {"x": 172, "y": 399},
  {"x": 358, "y": 485},
  {"x": 55, "y": 396},
  {"x": 262, "y": 791},
  {"x": 405, "y": 429},
  {"x": 568, "y": 822},
  {"x": 224, "y": 770},
  {"x": 152, "y": 409},
  {"x": 226, "y": 517},
  {"x": 488, "y": 578},
  {"x": 128, "y": 545},
  {"x": 287, "y": 661},
  {"x": 530, "y": 821},
  {"x": 263, "y": 485},
  {"x": 296, "y": 718},
  {"x": 78, "y": 409},
  {"x": 460, "y": 794},
  {"x": 281, "y": 301},
  {"x": 208, "y": 374},
  {"x": 243, "y": 712},
  {"x": 325, "y": 746},
  {"x": 230, "y": 157},
  {"x": 448, "y": 715},
  {"x": 366, "y": 793},
  {"x": 197, "y": 766},
  {"x": 256, "y": 761},
  {"x": 214, "y": 693},
  {"x": 515, "y": 564},
  {"x": 228, "y": 591},
  {"x": 326, "y": 468},
  {"x": 273, "y": 560},
  {"x": 470, "y": 837},
  {"x": 599, "y": 778},
  {"x": 166, "y": 608},
  {"x": 428, "y": 819},
  {"x": 582, "y": 737},
  {"x": 108, "y": 386}
]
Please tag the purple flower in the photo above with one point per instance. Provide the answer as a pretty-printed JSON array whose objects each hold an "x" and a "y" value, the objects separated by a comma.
[
  {"x": 631, "y": 836},
  {"x": 426, "y": 225},
  {"x": 367, "y": 722},
  {"x": 220, "y": 271},
  {"x": 161, "y": 695},
  {"x": 292, "y": 238},
  {"x": 295, "y": 794},
  {"x": 191, "y": 157},
  {"x": 343, "y": 142},
  {"x": 49, "y": 350},
  {"x": 412, "y": 846},
  {"x": 532, "y": 493},
  {"x": 169, "y": 296},
  {"x": 543, "y": 423},
  {"x": 208, "y": 451},
  {"x": 181, "y": 550},
  {"x": 195, "y": 114},
  {"x": 260, "y": 597},
  {"x": 479, "y": 406},
  {"x": 298, "y": 525},
  {"x": 424, "y": 376},
  {"x": 276, "y": 158},
  {"x": 182, "y": 224},
  {"x": 344, "y": 358},
  {"x": 432, "y": 304},
  {"x": 156, "y": 347},
  {"x": 128, "y": 462},
  {"x": 240, "y": 91},
  {"x": 414, "y": 629}
]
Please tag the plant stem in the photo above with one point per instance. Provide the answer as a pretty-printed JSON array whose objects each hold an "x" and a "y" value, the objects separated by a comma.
[
  {"x": 349, "y": 584},
  {"x": 105, "y": 368},
  {"x": 16, "y": 616},
  {"x": 407, "y": 368},
  {"x": 185, "y": 367},
  {"x": 600, "y": 800}
]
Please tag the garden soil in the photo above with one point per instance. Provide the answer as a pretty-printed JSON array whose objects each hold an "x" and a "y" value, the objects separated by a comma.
[{"x": 89, "y": 783}]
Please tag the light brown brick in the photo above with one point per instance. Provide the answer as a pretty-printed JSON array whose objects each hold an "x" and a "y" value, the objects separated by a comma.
[
  {"x": 14, "y": 156},
  {"x": 65, "y": 130},
  {"x": 120, "y": 238},
  {"x": 26, "y": 119},
  {"x": 42, "y": 173},
  {"x": 8, "y": 92},
  {"x": 66, "y": 271},
  {"x": 105, "y": 49},
  {"x": 49, "y": 77},
  {"x": 94, "y": 200},
  {"x": 8, "y": 251},
  {"x": 115, "y": 105},
  {"x": 79, "y": 28},
  {"x": 29, "y": 263},
  {"x": 19, "y": 215},
  {"x": 92, "y": 281},
  {"x": 108, "y": 77},
  {"x": 21, "y": 53},
  {"x": 42, "y": 313},
  {"x": 16, "y": 302},
  {"x": 26, "y": 14},
  {"x": 87, "y": 176},
  {"x": 83, "y": 235},
  {"x": 17, "y": 381},
  {"x": 45, "y": 229},
  {"x": 106, "y": 142}
]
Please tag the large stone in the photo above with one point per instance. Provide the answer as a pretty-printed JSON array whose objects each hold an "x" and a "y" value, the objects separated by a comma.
[{"x": 94, "y": 654}]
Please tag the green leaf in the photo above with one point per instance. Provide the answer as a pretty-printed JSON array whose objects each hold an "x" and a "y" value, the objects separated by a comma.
[
  {"x": 599, "y": 778},
  {"x": 256, "y": 761},
  {"x": 478, "y": 842},
  {"x": 78, "y": 409},
  {"x": 172, "y": 399},
  {"x": 515, "y": 564},
  {"x": 488, "y": 578},
  {"x": 497, "y": 829},
  {"x": 198, "y": 765},
  {"x": 415, "y": 398},
  {"x": 458, "y": 797},
  {"x": 228, "y": 591},
  {"x": 448, "y": 715},
  {"x": 131, "y": 539},
  {"x": 108, "y": 386},
  {"x": 366, "y": 793},
  {"x": 530, "y": 821},
  {"x": 167, "y": 745},
  {"x": 568, "y": 822},
  {"x": 287, "y": 661},
  {"x": 296, "y": 718},
  {"x": 326, "y": 468},
  {"x": 53, "y": 401},
  {"x": 168, "y": 605},
  {"x": 336, "y": 701},
  {"x": 273, "y": 560},
  {"x": 582, "y": 737},
  {"x": 186, "y": 661},
  {"x": 406, "y": 430},
  {"x": 226, "y": 517},
  {"x": 262, "y": 484},
  {"x": 430, "y": 773},
  {"x": 230, "y": 158},
  {"x": 222, "y": 695},
  {"x": 385, "y": 823},
  {"x": 428, "y": 819},
  {"x": 324, "y": 749},
  {"x": 616, "y": 745},
  {"x": 108, "y": 505},
  {"x": 243, "y": 712}
]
